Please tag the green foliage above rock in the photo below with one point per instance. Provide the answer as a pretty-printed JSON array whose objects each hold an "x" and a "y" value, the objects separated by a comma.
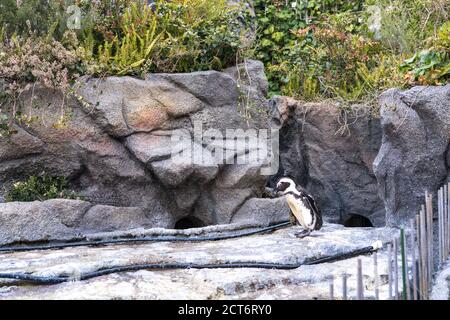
[
  {"x": 278, "y": 45},
  {"x": 115, "y": 37},
  {"x": 351, "y": 50},
  {"x": 40, "y": 188},
  {"x": 170, "y": 36},
  {"x": 41, "y": 16},
  {"x": 312, "y": 49},
  {"x": 431, "y": 65}
]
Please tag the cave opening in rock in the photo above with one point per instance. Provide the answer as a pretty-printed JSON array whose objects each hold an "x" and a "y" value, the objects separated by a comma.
[
  {"x": 356, "y": 220},
  {"x": 189, "y": 222}
]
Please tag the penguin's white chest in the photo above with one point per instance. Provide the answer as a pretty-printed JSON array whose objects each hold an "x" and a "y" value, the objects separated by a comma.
[{"x": 300, "y": 211}]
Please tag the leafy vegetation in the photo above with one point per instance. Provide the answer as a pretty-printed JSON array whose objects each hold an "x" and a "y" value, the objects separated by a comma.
[
  {"x": 18, "y": 17},
  {"x": 115, "y": 37},
  {"x": 351, "y": 50},
  {"x": 27, "y": 62},
  {"x": 312, "y": 49},
  {"x": 41, "y": 187},
  {"x": 175, "y": 36},
  {"x": 277, "y": 44},
  {"x": 431, "y": 65}
]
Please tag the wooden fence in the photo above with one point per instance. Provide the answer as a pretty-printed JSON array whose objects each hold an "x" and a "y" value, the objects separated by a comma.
[{"x": 420, "y": 250}]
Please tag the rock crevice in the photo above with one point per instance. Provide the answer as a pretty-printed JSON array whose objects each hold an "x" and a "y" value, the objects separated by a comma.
[{"x": 334, "y": 166}]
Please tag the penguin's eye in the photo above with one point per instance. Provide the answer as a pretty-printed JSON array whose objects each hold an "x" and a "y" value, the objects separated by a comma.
[{"x": 283, "y": 186}]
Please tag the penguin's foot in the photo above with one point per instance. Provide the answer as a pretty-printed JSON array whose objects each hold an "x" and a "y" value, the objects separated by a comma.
[{"x": 303, "y": 234}]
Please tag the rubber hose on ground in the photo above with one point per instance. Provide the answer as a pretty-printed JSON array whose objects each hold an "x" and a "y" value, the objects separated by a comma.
[
  {"x": 144, "y": 239},
  {"x": 167, "y": 266}
]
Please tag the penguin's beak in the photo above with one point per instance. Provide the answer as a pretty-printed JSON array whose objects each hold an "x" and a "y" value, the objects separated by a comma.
[{"x": 269, "y": 192}]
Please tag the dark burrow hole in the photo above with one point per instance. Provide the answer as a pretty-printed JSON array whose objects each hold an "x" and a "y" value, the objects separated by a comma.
[
  {"x": 189, "y": 222},
  {"x": 357, "y": 220}
]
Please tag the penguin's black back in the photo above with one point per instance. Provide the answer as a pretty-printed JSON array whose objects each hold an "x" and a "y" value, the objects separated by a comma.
[{"x": 314, "y": 208}]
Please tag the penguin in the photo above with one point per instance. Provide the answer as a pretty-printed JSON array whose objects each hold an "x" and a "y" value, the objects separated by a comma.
[{"x": 304, "y": 210}]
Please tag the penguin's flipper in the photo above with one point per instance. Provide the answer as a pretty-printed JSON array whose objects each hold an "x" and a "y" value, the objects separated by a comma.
[{"x": 315, "y": 209}]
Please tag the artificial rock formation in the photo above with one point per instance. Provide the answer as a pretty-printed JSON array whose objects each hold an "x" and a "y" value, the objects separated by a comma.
[
  {"x": 68, "y": 220},
  {"x": 414, "y": 154},
  {"x": 114, "y": 142},
  {"x": 330, "y": 152},
  {"x": 60, "y": 220},
  {"x": 378, "y": 167}
]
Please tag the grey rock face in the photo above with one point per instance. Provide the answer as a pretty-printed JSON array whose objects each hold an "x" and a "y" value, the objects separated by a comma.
[
  {"x": 441, "y": 286},
  {"x": 125, "y": 105},
  {"x": 414, "y": 154},
  {"x": 263, "y": 211},
  {"x": 115, "y": 144},
  {"x": 330, "y": 153},
  {"x": 62, "y": 219},
  {"x": 252, "y": 81},
  {"x": 211, "y": 87},
  {"x": 102, "y": 218},
  {"x": 149, "y": 147},
  {"x": 21, "y": 145},
  {"x": 40, "y": 221}
]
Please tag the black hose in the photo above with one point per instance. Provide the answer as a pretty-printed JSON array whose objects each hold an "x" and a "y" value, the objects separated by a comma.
[
  {"x": 143, "y": 239},
  {"x": 167, "y": 266},
  {"x": 341, "y": 256}
]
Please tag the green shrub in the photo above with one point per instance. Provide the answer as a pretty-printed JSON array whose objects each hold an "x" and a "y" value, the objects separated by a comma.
[
  {"x": 342, "y": 65},
  {"x": 28, "y": 61},
  {"x": 171, "y": 36},
  {"x": 276, "y": 44},
  {"x": 431, "y": 66},
  {"x": 42, "y": 187},
  {"x": 406, "y": 24},
  {"x": 131, "y": 46},
  {"x": 350, "y": 50},
  {"x": 330, "y": 64},
  {"x": 41, "y": 16},
  {"x": 420, "y": 29},
  {"x": 131, "y": 37}
]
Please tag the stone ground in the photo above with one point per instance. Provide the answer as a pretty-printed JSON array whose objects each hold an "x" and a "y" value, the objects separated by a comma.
[
  {"x": 281, "y": 246},
  {"x": 441, "y": 287}
]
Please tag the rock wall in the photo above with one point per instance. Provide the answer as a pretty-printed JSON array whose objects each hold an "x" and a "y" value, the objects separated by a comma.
[
  {"x": 414, "y": 155},
  {"x": 330, "y": 152},
  {"x": 359, "y": 165},
  {"x": 68, "y": 220},
  {"x": 113, "y": 142}
]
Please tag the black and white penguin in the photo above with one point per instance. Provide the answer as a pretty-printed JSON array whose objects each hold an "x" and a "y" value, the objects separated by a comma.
[{"x": 304, "y": 210}]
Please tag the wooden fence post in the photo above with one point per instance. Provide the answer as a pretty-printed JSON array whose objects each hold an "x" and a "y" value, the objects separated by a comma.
[
  {"x": 375, "y": 274},
  {"x": 413, "y": 257},
  {"x": 396, "y": 269},
  {"x": 360, "y": 283},
  {"x": 332, "y": 287},
  {"x": 390, "y": 280},
  {"x": 344, "y": 286}
]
